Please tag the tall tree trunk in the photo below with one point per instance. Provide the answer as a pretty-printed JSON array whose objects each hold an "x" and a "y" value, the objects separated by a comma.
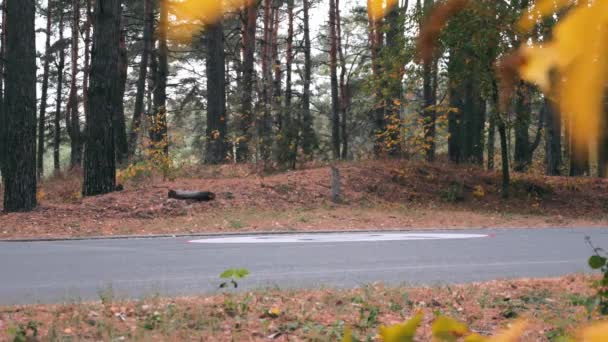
[
  {"x": 308, "y": 137},
  {"x": 492, "y": 139},
  {"x": 120, "y": 128},
  {"x": 288, "y": 129},
  {"x": 2, "y": 78},
  {"x": 246, "y": 115},
  {"x": 276, "y": 66},
  {"x": 74, "y": 117},
  {"x": 522, "y": 155},
  {"x": 100, "y": 156},
  {"x": 216, "y": 151},
  {"x": 44, "y": 95},
  {"x": 429, "y": 75},
  {"x": 141, "y": 80},
  {"x": 376, "y": 38},
  {"x": 158, "y": 128},
  {"x": 87, "y": 59},
  {"x": 553, "y": 139},
  {"x": 333, "y": 67},
  {"x": 264, "y": 124},
  {"x": 58, "y": 100},
  {"x": 579, "y": 158},
  {"x": 344, "y": 88},
  {"x": 20, "y": 104}
]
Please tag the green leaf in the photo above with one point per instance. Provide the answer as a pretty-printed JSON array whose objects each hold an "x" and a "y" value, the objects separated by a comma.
[
  {"x": 229, "y": 273},
  {"x": 240, "y": 273},
  {"x": 597, "y": 262}
]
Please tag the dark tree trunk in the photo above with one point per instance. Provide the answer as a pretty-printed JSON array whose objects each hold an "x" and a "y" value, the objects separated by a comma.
[
  {"x": 376, "y": 37},
  {"x": 158, "y": 127},
  {"x": 553, "y": 146},
  {"x": 58, "y": 101},
  {"x": 454, "y": 119},
  {"x": 333, "y": 67},
  {"x": 44, "y": 95},
  {"x": 276, "y": 66},
  {"x": 344, "y": 88},
  {"x": 492, "y": 139},
  {"x": 288, "y": 128},
  {"x": 308, "y": 140},
  {"x": 100, "y": 156},
  {"x": 120, "y": 128},
  {"x": 73, "y": 117},
  {"x": 20, "y": 107},
  {"x": 141, "y": 80},
  {"x": 216, "y": 151},
  {"x": 579, "y": 158},
  {"x": 2, "y": 68},
  {"x": 87, "y": 59},
  {"x": 522, "y": 156},
  {"x": 246, "y": 115},
  {"x": 264, "y": 124}
]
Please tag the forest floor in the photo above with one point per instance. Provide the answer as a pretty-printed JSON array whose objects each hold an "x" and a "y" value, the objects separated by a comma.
[
  {"x": 377, "y": 195},
  {"x": 552, "y": 308}
]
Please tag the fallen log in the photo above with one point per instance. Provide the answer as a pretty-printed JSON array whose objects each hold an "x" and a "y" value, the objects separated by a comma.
[{"x": 201, "y": 196}]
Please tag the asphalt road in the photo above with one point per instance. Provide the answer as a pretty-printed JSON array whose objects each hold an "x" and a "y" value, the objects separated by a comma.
[{"x": 65, "y": 271}]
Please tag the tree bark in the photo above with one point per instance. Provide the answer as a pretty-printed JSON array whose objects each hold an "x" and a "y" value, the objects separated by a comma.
[
  {"x": 246, "y": 115},
  {"x": 120, "y": 128},
  {"x": 2, "y": 80},
  {"x": 58, "y": 100},
  {"x": 100, "y": 156},
  {"x": 20, "y": 107},
  {"x": 333, "y": 67},
  {"x": 344, "y": 87},
  {"x": 44, "y": 95},
  {"x": 73, "y": 118},
  {"x": 216, "y": 151},
  {"x": 158, "y": 127},
  {"x": 553, "y": 146},
  {"x": 141, "y": 80},
  {"x": 492, "y": 139},
  {"x": 87, "y": 59},
  {"x": 308, "y": 139}
]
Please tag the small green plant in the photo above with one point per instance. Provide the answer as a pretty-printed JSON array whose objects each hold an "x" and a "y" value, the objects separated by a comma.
[
  {"x": 232, "y": 276},
  {"x": 598, "y": 261},
  {"x": 454, "y": 193},
  {"x": 26, "y": 332},
  {"x": 236, "y": 224},
  {"x": 152, "y": 321}
]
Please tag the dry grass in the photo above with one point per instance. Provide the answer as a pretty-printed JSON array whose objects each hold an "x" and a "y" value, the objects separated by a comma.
[{"x": 553, "y": 306}]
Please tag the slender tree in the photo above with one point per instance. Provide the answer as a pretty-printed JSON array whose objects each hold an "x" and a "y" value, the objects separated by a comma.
[
  {"x": 553, "y": 137},
  {"x": 344, "y": 87},
  {"x": 45, "y": 87},
  {"x": 19, "y": 174},
  {"x": 73, "y": 116},
  {"x": 216, "y": 151},
  {"x": 87, "y": 58},
  {"x": 141, "y": 80},
  {"x": 100, "y": 156},
  {"x": 333, "y": 69},
  {"x": 2, "y": 68},
  {"x": 308, "y": 137},
  {"x": 59, "y": 98},
  {"x": 245, "y": 120},
  {"x": 158, "y": 126}
]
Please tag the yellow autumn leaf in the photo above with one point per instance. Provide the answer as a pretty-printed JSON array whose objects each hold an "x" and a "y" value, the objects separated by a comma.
[
  {"x": 448, "y": 329},
  {"x": 578, "y": 53},
  {"x": 404, "y": 332},
  {"x": 189, "y": 17},
  {"x": 512, "y": 334},
  {"x": 594, "y": 333},
  {"x": 539, "y": 10},
  {"x": 348, "y": 335},
  {"x": 378, "y": 9}
]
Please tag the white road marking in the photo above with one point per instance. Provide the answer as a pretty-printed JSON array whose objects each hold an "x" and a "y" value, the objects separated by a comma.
[{"x": 346, "y": 237}]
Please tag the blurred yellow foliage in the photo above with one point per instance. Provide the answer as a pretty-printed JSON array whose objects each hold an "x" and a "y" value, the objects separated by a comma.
[
  {"x": 377, "y": 9},
  {"x": 578, "y": 55}
]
